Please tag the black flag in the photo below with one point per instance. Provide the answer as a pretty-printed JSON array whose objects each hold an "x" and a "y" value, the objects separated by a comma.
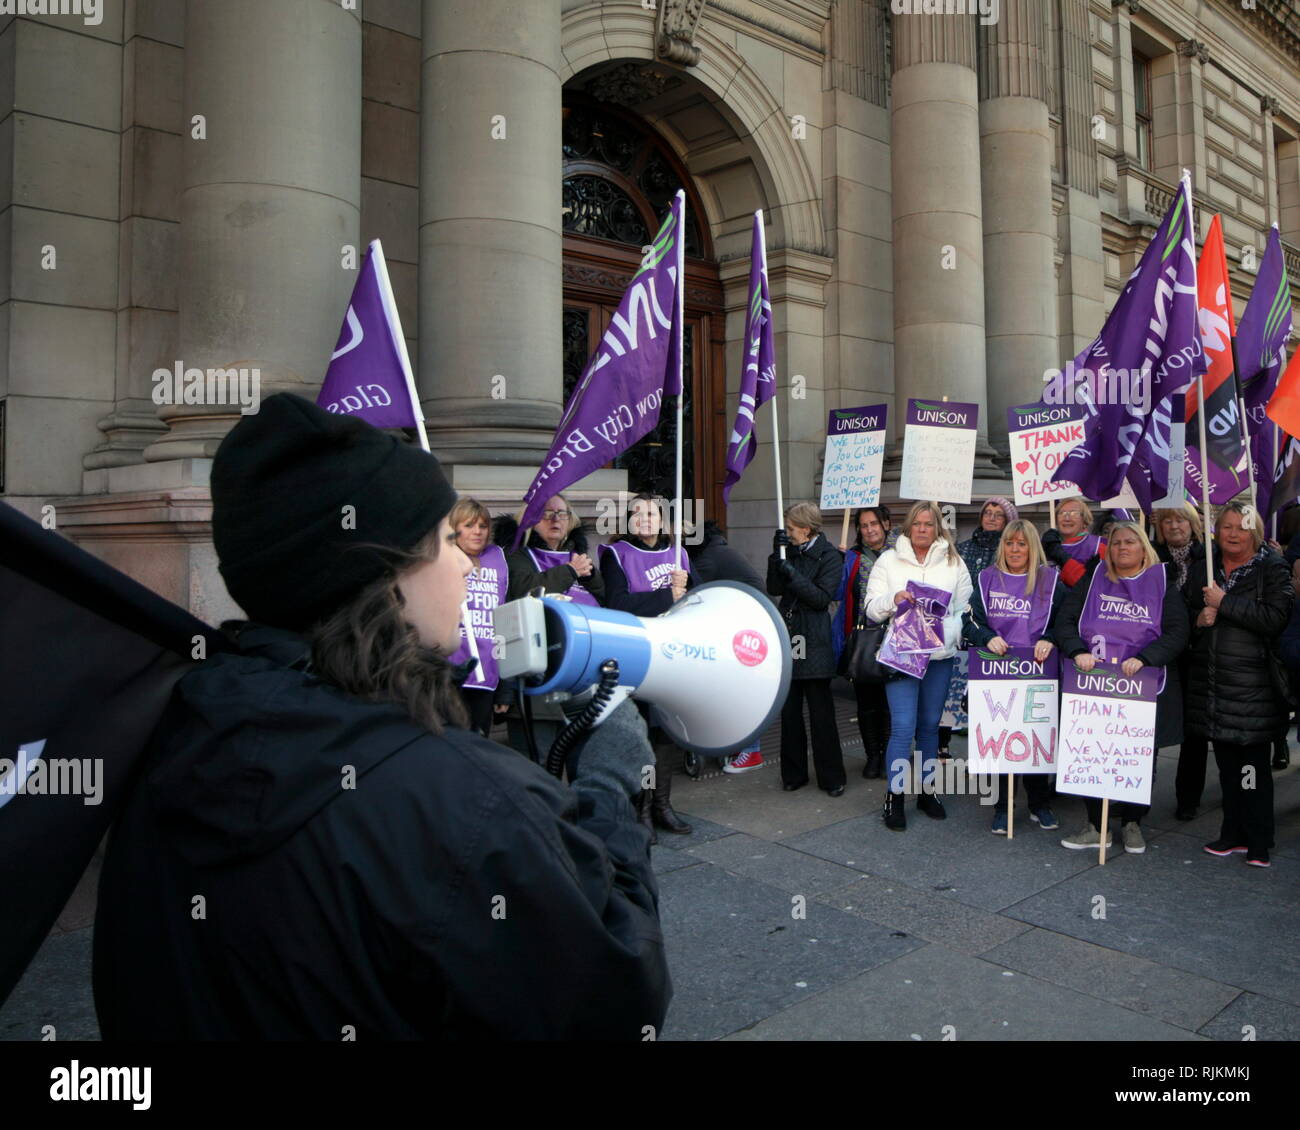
[{"x": 88, "y": 661}]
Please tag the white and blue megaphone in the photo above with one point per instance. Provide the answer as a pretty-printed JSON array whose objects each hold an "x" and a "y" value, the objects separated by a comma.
[{"x": 714, "y": 669}]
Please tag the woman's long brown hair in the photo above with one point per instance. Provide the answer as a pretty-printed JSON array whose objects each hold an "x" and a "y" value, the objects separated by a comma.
[{"x": 367, "y": 649}]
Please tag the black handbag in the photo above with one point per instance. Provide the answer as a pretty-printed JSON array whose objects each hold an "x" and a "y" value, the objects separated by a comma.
[{"x": 859, "y": 660}]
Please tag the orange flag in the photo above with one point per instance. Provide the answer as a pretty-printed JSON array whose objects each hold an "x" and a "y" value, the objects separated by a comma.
[
  {"x": 1225, "y": 450},
  {"x": 1284, "y": 405}
]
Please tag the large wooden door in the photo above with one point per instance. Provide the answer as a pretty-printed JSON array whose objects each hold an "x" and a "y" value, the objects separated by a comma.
[{"x": 619, "y": 177}]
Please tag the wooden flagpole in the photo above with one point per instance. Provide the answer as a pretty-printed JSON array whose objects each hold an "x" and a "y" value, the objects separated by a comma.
[
  {"x": 1205, "y": 481},
  {"x": 679, "y": 242}
]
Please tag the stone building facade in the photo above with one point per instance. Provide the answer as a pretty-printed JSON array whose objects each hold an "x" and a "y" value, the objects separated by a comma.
[{"x": 952, "y": 205}]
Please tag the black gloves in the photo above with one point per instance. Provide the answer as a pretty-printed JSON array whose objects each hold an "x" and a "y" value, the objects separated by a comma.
[
  {"x": 1053, "y": 549},
  {"x": 787, "y": 569},
  {"x": 779, "y": 539}
]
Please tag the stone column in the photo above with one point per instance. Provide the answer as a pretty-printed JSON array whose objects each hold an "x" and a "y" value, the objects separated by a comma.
[
  {"x": 490, "y": 244},
  {"x": 271, "y": 197},
  {"x": 1082, "y": 284},
  {"x": 938, "y": 234},
  {"x": 1019, "y": 228}
]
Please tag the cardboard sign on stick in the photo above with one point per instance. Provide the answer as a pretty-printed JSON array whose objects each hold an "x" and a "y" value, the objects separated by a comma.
[
  {"x": 1108, "y": 730},
  {"x": 939, "y": 451},
  {"x": 855, "y": 456}
]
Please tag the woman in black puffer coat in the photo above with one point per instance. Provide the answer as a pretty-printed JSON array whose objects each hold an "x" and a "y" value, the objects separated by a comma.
[
  {"x": 806, "y": 582},
  {"x": 1235, "y": 695}
]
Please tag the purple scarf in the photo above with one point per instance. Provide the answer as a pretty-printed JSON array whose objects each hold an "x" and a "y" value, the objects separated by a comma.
[
  {"x": 545, "y": 559},
  {"x": 485, "y": 588},
  {"x": 1019, "y": 619}
]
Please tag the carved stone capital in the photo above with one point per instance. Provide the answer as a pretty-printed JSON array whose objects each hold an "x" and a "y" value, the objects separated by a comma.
[
  {"x": 1194, "y": 49},
  {"x": 1134, "y": 6},
  {"x": 1270, "y": 105},
  {"x": 675, "y": 30}
]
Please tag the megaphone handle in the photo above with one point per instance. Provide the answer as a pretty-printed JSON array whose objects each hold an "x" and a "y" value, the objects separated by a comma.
[
  {"x": 619, "y": 694},
  {"x": 607, "y": 689}
]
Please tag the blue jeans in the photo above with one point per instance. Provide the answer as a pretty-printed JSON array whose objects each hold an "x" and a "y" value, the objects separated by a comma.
[{"x": 915, "y": 707}]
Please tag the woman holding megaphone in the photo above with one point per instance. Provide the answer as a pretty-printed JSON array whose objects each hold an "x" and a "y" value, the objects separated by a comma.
[
  {"x": 642, "y": 575},
  {"x": 1014, "y": 603},
  {"x": 362, "y": 861}
]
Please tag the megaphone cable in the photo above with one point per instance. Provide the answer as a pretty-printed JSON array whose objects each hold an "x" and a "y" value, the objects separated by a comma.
[{"x": 582, "y": 723}]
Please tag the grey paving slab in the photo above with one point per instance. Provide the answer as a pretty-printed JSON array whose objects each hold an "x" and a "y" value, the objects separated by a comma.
[
  {"x": 662, "y": 862},
  {"x": 1176, "y": 905},
  {"x": 958, "y": 856},
  {"x": 935, "y": 991},
  {"x": 1257, "y": 1017},
  {"x": 737, "y": 954},
  {"x": 54, "y": 991},
  {"x": 755, "y": 803},
  {"x": 702, "y": 831},
  {"x": 1132, "y": 982},
  {"x": 776, "y": 864},
  {"x": 924, "y": 914}
]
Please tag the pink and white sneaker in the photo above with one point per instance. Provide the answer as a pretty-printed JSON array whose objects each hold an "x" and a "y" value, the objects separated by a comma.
[{"x": 744, "y": 762}]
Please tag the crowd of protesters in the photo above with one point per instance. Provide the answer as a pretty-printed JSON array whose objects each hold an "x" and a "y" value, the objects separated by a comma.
[{"x": 1224, "y": 650}]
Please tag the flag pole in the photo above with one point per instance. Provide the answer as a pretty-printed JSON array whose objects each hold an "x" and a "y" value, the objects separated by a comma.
[
  {"x": 1205, "y": 480},
  {"x": 776, "y": 416},
  {"x": 1245, "y": 426},
  {"x": 680, "y": 250},
  {"x": 395, "y": 328}
]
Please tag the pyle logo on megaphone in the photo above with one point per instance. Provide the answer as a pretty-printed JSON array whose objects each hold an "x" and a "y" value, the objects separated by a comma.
[{"x": 675, "y": 649}]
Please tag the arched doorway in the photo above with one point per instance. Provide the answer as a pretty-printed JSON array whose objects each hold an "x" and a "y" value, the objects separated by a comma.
[{"x": 619, "y": 178}]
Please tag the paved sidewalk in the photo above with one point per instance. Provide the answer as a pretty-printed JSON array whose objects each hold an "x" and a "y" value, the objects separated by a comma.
[{"x": 795, "y": 916}]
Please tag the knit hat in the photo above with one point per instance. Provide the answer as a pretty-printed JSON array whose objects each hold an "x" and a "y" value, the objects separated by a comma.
[
  {"x": 1005, "y": 505},
  {"x": 299, "y": 498}
]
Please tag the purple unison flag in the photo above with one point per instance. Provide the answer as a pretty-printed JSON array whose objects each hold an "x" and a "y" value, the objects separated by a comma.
[
  {"x": 637, "y": 363},
  {"x": 370, "y": 374},
  {"x": 758, "y": 381},
  {"x": 1261, "y": 351},
  {"x": 1149, "y": 349}
]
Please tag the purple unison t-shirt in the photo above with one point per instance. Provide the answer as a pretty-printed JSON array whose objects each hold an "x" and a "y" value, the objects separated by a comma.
[
  {"x": 485, "y": 588},
  {"x": 647, "y": 570},
  {"x": 1127, "y": 612},
  {"x": 546, "y": 559},
  {"x": 1019, "y": 619}
]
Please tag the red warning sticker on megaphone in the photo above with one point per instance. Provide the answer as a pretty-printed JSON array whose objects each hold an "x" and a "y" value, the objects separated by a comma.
[{"x": 750, "y": 647}]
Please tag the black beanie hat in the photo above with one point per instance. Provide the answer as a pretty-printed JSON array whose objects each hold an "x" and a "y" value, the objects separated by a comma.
[{"x": 280, "y": 481}]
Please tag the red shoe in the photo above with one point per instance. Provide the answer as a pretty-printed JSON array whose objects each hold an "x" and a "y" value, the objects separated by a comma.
[
  {"x": 1224, "y": 847},
  {"x": 744, "y": 762}
]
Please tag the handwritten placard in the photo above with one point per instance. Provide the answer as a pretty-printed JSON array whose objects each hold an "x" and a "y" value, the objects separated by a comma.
[
  {"x": 939, "y": 450},
  {"x": 1041, "y": 435},
  {"x": 1108, "y": 733},
  {"x": 1013, "y": 711},
  {"x": 855, "y": 455}
]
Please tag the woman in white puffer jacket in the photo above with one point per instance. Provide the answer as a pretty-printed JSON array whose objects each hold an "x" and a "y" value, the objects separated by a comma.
[{"x": 927, "y": 554}]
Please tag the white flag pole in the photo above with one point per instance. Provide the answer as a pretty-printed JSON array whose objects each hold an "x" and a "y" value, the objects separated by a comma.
[
  {"x": 776, "y": 416},
  {"x": 399, "y": 339},
  {"x": 680, "y": 299}
]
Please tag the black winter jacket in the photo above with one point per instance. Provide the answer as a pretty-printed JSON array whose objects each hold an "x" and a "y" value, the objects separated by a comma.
[
  {"x": 805, "y": 601},
  {"x": 714, "y": 559},
  {"x": 1164, "y": 651},
  {"x": 1231, "y": 693},
  {"x": 357, "y": 870}
]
